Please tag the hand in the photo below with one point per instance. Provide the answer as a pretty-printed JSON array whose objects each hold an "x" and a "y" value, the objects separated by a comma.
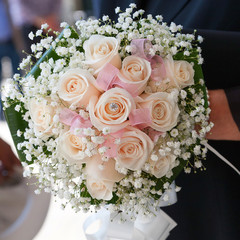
[
  {"x": 225, "y": 127},
  {"x": 52, "y": 20},
  {"x": 8, "y": 161}
]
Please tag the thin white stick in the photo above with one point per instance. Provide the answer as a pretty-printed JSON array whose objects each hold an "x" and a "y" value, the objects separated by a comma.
[{"x": 222, "y": 157}]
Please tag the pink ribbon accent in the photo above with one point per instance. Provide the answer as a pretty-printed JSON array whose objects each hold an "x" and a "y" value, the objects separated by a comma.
[
  {"x": 110, "y": 143},
  {"x": 73, "y": 119},
  {"x": 107, "y": 79},
  {"x": 140, "y": 118},
  {"x": 107, "y": 76},
  {"x": 140, "y": 49},
  {"x": 154, "y": 134}
]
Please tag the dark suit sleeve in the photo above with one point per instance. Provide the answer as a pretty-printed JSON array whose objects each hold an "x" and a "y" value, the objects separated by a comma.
[
  {"x": 233, "y": 96},
  {"x": 221, "y": 53}
]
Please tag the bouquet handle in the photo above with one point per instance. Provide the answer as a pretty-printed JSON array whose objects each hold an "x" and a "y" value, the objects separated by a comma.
[{"x": 156, "y": 228}]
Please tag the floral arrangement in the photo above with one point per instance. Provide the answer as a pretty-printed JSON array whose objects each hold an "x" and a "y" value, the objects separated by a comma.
[{"x": 107, "y": 116}]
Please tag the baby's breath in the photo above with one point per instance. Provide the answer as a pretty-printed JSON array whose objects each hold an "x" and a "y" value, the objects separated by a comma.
[{"x": 139, "y": 190}]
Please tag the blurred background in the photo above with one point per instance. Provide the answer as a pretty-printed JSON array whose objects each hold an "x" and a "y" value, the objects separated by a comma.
[{"x": 17, "y": 19}]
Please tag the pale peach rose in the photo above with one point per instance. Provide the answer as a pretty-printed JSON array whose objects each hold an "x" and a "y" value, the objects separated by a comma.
[
  {"x": 100, "y": 182},
  {"x": 163, "y": 108},
  {"x": 135, "y": 71},
  {"x": 179, "y": 74},
  {"x": 134, "y": 149},
  {"x": 163, "y": 165},
  {"x": 72, "y": 148},
  {"x": 99, "y": 188},
  {"x": 76, "y": 86},
  {"x": 42, "y": 113},
  {"x": 100, "y": 50},
  {"x": 108, "y": 171},
  {"x": 111, "y": 109}
]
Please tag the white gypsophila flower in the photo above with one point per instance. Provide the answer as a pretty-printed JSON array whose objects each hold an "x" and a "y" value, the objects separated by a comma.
[
  {"x": 38, "y": 55},
  {"x": 166, "y": 185},
  {"x": 200, "y": 39},
  {"x": 31, "y": 35},
  {"x": 33, "y": 48},
  {"x": 174, "y": 132},
  {"x": 186, "y": 155},
  {"x": 67, "y": 33},
  {"x": 63, "y": 24},
  {"x": 162, "y": 152},
  {"x": 102, "y": 150},
  {"x": 105, "y": 18},
  {"x": 17, "y": 108},
  {"x": 39, "y": 32},
  {"x": 106, "y": 130},
  {"x": 197, "y": 150},
  {"x": 37, "y": 191},
  {"x": 19, "y": 133},
  {"x": 154, "y": 157},
  {"x": 200, "y": 61},
  {"x": 117, "y": 10},
  {"x": 187, "y": 170},
  {"x": 198, "y": 164},
  {"x": 44, "y": 26},
  {"x": 132, "y": 5},
  {"x": 178, "y": 189}
]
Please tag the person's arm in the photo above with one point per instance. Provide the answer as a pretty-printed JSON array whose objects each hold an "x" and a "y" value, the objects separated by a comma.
[
  {"x": 225, "y": 128},
  {"x": 8, "y": 161}
]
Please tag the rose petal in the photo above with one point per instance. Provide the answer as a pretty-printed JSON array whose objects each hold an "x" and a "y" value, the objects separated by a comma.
[{"x": 107, "y": 173}]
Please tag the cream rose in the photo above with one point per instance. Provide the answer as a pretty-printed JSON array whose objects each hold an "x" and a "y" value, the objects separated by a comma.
[
  {"x": 76, "y": 86},
  {"x": 111, "y": 109},
  {"x": 100, "y": 50},
  {"x": 72, "y": 148},
  {"x": 179, "y": 74},
  {"x": 135, "y": 71},
  {"x": 163, "y": 165},
  {"x": 108, "y": 171},
  {"x": 99, "y": 188},
  {"x": 42, "y": 113},
  {"x": 134, "y": 149},
  {"x": 100, "y": 182},
  {"x": 163, "y": 108}
]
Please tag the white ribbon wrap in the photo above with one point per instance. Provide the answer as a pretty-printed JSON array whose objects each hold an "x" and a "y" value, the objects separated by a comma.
[{"x": 99, "y": 226}]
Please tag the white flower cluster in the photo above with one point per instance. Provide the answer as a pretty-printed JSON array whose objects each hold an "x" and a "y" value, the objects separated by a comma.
[{"x": 90, "y": 142}]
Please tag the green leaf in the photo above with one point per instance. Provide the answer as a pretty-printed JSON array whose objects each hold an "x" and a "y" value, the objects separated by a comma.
[
  {"x": 15, "y": 119},
  {"x": 15, "y": 122}
]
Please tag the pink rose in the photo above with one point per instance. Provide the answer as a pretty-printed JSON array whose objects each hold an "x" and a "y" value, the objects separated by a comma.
[
  {"x": 134, "y": 149},
  {"x": 76, "y": 86},
  {"x": 111, "y": 109},
  {"x": 135, "y": 71},
  {"x": 163, "y": 108},
  {"x": 100, "y": 50}
]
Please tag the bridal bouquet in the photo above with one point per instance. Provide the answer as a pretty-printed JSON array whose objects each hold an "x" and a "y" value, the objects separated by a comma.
[{"x": 108, "y": 115}]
